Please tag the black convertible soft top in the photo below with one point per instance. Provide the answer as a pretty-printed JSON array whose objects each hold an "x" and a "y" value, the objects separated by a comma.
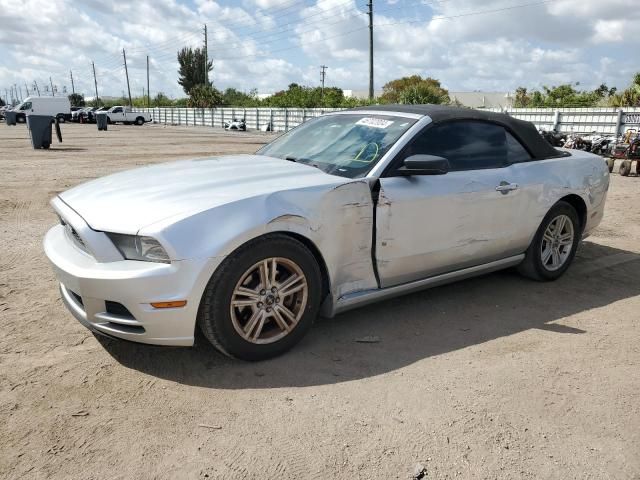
[{"x": 524, "y": 131}]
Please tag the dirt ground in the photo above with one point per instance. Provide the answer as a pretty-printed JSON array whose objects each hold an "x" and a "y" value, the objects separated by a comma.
[{"x": 495, "y": 377}]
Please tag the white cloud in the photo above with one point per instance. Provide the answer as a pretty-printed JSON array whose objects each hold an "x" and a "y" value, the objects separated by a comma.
[{"x": 270, "y": 43}]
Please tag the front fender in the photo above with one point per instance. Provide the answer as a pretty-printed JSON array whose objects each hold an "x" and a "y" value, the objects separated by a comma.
[{"x": 337, "y": 219}]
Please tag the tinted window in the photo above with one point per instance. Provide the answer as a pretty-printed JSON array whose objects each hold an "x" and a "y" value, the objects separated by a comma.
[
  {"x": 516, "y": 153},
  {"x": 468, "y": 145}
]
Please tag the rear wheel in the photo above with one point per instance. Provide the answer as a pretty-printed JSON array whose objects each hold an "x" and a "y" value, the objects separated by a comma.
[
  {"x": 262, "y": 299},
  {"x": 139, "y": 121},
  {"x": 61, "y": 119},
  {"x": 625, "y": 168},
  {"x": 554, "y": 245}
]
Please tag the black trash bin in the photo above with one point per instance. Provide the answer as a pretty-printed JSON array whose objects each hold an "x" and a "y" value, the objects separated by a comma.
[
  {"x": 40, "y": 130},
  {"x": 101, "y": 120},
  {"x": 10, "y": 117}
]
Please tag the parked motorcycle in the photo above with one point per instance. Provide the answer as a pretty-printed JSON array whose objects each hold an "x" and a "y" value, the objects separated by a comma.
[
  {"x": 236, "y": 124},
  {"x": 555, "y": 139}
]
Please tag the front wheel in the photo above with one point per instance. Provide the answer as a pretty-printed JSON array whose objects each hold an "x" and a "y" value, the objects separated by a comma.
[
  {"x": 554, "y": 245},
  {"x": 262, "y": 299}
]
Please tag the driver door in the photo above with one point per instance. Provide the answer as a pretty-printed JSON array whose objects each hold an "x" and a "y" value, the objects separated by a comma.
[{"x": 432, "y": 224}]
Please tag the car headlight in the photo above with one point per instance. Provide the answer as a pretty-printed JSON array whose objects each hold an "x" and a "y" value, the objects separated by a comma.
[{"x": 133, "y": 247}]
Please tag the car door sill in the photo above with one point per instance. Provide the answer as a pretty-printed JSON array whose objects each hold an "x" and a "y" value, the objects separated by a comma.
[{"x": 358, "y": 299}]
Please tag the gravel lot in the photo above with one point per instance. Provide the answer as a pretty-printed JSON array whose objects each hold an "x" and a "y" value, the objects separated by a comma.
[{"x": 495, "y": 377}]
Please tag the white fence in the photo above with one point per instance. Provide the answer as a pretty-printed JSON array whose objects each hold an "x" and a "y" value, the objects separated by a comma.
[
  {"x": 279, "y": 119},
  {"x": 568, "y": 120}
]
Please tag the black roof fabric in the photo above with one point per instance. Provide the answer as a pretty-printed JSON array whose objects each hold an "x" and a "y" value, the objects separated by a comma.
[{"x": 526, "y": 132}]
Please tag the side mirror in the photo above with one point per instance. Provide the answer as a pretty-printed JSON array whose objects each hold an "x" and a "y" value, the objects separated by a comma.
[{"x": 424, "y": 165}]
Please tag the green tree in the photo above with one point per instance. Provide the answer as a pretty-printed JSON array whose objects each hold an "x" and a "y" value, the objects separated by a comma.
[
  {"x": 192, "y": 65},
  {"x": 630, "y": 97},
  {"x": 161, "y": 100},
  {"x": 76, "y": 100},
  {"x": 236, "y": 98},
  {"x": 414, "y": 89},
  {"x": 522, "y": 99},
  {"x": 204, "y": 96}
]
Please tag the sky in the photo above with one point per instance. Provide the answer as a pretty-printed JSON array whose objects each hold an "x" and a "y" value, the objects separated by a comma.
[{"x": 469, "y": 45}]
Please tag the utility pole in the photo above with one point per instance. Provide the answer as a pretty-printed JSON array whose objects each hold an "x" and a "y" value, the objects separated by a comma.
[
  {"x": 52, "y": 92},
  {"x": 323, "y": 73},
  {"x": 26, "y": 88},
  {"x": 148, "y": 95},
  {"x": 15, "y": 89},
  {"x": 6, "y": 96},
  {"x": 370, "y": 13},
  {"x": 73, "y": 88},
  {"x": 206, "y": 57},
  {"x": 126, "y": 72},
  {"x": 95, "y": 82},
  {"x": 21, "y": 97},
  {"x": 37, "y": 88}
]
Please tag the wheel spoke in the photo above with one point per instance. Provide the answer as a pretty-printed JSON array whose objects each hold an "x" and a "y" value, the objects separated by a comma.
[
  {"x": 556, "y": 257},
  {"x": 247, "y": 292},
  {"x": 560, "y": 224},
  {"x": 292, "y": 285},
  {"x": 264, "y": 274},
  {"x": 243, "y": 303},
  {"x": 274, "y": 270},
  {"x": 287, "y": 313},
  {"x": 282, "y": 323},
  {"x": 546, "y": 254},
  {"x": 547, "y": 236},
  {"x": 259, "y": 328},
  {"x": 257, "y": 316}
]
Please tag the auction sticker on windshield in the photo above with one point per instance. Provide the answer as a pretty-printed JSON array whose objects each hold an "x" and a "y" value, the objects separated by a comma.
[{"x": 374, "y": 122}]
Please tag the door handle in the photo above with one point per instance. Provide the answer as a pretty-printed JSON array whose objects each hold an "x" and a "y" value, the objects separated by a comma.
[{"x": 505, "y": 187}]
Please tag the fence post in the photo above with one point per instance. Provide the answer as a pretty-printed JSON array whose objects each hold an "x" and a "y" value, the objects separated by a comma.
[
  {"x": 222, "y": 117},
  {"x": 286, "y": 119},
  {"x": 271, "y": 126},
  {"x": 257, "y": 119},
  {"x": 556, "y": 120},
  {"x": 619, "y": 122}
]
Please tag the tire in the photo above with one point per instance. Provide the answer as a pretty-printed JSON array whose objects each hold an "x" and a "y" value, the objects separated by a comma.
[
  {"x": 221, "y": 322},
  {"x": 139, "y": 121},
  {"x": 61, "y": 119},
  {"x": 21, "y": 119},
  {"x": 610, "y": 164},
  {"x": 533, "y": 266},
  {"x": 637, "y": 167},
  {"x": 625, "y": 168}
]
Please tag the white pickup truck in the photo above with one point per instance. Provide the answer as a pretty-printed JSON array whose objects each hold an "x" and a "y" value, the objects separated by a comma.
[{"x": 127, "y": 116}]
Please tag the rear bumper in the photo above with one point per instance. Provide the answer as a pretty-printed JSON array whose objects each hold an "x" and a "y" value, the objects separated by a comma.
[{"x": 114, "y": 298}]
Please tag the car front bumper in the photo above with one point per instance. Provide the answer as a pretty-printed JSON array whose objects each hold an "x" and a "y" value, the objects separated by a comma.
[{"x": 114, "y": 298}]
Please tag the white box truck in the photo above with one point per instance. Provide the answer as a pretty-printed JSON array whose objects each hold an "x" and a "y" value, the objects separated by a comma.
[{"x": 58, "y": 107}]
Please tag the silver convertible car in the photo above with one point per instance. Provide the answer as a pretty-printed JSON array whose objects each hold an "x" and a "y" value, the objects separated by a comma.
[{"x": 347, "y": 209}]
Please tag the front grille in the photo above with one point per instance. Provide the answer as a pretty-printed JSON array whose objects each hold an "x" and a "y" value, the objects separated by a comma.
[{"x": 73, "y": 235}]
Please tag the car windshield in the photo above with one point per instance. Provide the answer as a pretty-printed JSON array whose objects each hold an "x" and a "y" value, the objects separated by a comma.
[{"x": 348, "y": 145}]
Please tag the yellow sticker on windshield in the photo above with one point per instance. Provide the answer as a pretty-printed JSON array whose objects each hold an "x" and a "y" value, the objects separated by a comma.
[{"x": 374, "y": 122}]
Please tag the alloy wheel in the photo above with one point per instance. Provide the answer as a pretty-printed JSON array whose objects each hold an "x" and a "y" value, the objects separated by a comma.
[
  {"x": 269, "y": 300},
  {"x": 557, "y": 243}
]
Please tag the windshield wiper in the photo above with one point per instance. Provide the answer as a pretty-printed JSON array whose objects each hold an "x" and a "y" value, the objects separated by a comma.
[{"x": 303, "y": 161}]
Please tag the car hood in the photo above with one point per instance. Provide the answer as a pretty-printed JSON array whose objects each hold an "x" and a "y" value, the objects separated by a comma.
[{"x": 127, "y": 201}]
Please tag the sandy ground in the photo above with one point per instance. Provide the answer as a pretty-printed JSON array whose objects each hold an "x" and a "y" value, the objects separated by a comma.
[{"x": 495, "y": 377}]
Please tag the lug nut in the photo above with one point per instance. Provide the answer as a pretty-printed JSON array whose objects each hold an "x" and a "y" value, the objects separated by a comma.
[
  {"x": 262, "y": 292},
  {"x": 260, "y": 304},
  {"x": 274, "y": 289},
  {"x": 268, "y": 310},
  {"x": 277, "y": 299}
]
